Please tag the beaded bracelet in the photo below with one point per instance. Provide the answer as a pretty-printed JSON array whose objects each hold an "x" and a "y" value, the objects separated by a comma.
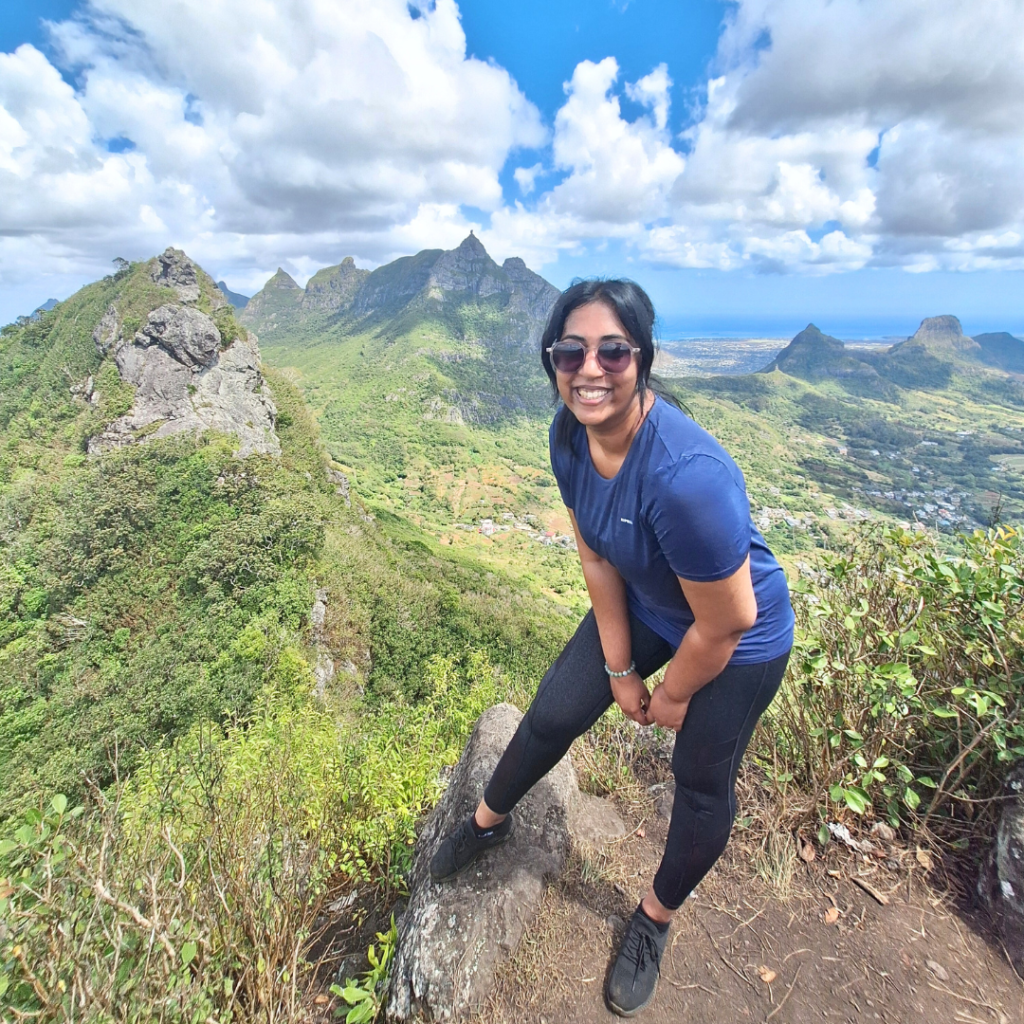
[{"x": 620, "y": 675}]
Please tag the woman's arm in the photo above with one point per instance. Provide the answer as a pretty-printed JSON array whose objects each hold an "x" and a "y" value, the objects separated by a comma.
[
  {"x": 608, "y": 597},
  {"x": 722, "y": 611}
]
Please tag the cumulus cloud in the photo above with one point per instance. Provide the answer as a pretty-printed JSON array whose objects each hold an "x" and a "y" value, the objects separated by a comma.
[
  {"x": 834, "y": 134},
  {"x": 830, "y": 135},
  {"x": 239, "y": 129}
]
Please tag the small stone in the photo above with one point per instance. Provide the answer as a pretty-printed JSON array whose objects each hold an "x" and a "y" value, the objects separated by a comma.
[
  {"x": 614, "y": 922},
  {"x": 883, "y": 832},
  {"x": 937, "y": 969}
]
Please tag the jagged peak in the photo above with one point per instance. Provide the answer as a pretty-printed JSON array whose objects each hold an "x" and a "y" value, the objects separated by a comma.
[
  {"x": 471, "y": 244},
  {"x": 282, "y": 279}
]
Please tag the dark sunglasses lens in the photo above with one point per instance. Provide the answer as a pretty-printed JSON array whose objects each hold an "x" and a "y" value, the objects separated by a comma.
[
  {"x": 567, "y": 358},
  {"x": 614, "y": 356}
]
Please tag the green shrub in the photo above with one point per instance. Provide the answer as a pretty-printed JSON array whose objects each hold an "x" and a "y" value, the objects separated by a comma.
[{"x": 905, "y": 689}]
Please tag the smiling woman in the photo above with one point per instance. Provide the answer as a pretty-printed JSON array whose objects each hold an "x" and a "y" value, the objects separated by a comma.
[{"x": 678, "y": 576}]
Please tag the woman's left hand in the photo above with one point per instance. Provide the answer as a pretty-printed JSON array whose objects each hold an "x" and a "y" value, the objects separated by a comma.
[{"x": 665, "y": 711}]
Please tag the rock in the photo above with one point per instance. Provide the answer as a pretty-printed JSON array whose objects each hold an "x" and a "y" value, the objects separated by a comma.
[
  {"x": 108, "y": 331},
  {"x": 937, "y": 969},
  {"x": 453, "y": 936},
  {"x": 594, "y": 821},
  {"x": 883, "y": 832},
  {"x": 318, "y": 613},
  {"x": 186, "y": 334},
  {"x": 1001, "y": 880},
  {"x": 323, "y": 673},
  {"x": 664, "y": 794},
  {"x": 184, "y": 381},
  {"x": 173, "y": 269},
  {"x": 341, "y": 484}
]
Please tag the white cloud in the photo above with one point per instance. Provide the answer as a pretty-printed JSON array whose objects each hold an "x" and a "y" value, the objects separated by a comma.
[
  {"x": 892, "y": 133},
  {"x": 258, "y": 133},
  {"x": 833, "y": 134}
]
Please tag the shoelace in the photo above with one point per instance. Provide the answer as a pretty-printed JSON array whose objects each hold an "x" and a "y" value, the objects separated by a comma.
[{"x": 644, "y": 948}]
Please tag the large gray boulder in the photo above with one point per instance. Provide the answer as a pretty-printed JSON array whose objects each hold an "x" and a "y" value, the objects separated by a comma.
[
  {"x": 1001, "y": 882},
  {"x": 452, "y": 936},
  {"x": 185, "y": 381}
]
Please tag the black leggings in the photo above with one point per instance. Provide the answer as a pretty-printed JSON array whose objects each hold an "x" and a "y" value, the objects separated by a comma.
[{"x": 574, "y": 694}]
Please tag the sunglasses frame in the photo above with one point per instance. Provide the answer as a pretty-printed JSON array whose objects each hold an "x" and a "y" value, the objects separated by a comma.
[{"x": 633, "y": 349}]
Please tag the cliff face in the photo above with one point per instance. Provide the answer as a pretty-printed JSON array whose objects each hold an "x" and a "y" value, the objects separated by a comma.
[{"x": 187, "y": 375}]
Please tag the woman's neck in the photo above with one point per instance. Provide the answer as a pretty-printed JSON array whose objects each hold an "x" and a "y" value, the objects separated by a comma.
[{"x": 613, "y": 439}]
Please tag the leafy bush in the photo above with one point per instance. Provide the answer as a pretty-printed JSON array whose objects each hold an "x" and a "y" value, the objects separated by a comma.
[{"x": 905, "y": 689}]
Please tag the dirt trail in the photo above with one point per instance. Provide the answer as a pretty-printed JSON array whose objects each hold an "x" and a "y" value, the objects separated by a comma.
[{"x": 914, "y": 959}]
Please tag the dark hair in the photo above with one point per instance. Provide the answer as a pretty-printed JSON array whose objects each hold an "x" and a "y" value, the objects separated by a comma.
[{"x": 633, "y": 307}]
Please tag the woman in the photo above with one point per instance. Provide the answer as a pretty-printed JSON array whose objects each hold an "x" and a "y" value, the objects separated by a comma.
[{"x": 678, "y": 575}]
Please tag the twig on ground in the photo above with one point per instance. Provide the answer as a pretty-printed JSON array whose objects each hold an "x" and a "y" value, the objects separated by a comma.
[
  {"x": 870, "y": 890},
  {"x": 722, "y": 957},
  {"x": 782, "y": 1003},
  {"x": 966, "y": 999}
]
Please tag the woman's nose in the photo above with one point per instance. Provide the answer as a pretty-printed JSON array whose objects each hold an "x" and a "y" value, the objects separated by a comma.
[{"x": 591, "y": 366}]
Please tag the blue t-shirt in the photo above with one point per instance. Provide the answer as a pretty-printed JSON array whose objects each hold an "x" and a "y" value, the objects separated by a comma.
[{"x": 677, "y": 507}]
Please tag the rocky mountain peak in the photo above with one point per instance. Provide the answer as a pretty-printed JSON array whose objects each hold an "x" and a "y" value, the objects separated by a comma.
[
  {"x": 283, "y": 280},
  {"x": 173, "y": 269},
  {"x": 943, "y": 335},
  {"x": 186, "y": 376}
]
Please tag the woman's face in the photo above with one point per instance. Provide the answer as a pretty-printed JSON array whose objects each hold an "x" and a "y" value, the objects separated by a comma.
[{"x": 597, "y": 398}]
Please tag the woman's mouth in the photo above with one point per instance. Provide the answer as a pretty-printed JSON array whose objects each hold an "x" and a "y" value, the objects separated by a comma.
[{"x": 591, "y": 395}]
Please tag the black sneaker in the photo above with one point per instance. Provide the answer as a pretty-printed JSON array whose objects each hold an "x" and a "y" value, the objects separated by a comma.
[
  {"x": 634, "y": 977},
  {"x": 459, "y": 849}
]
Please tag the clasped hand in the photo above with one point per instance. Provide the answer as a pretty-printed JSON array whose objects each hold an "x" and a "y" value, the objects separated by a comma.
[{"x": 645, "y": 708}]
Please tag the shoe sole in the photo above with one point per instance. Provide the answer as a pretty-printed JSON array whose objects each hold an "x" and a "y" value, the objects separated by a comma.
[
  {"x": 630, "y": 1013},
  {"x": 469, "y": 863}
]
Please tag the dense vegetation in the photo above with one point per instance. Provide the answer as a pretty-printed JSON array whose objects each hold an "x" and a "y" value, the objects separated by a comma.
[{"x": 180, "y": 802}]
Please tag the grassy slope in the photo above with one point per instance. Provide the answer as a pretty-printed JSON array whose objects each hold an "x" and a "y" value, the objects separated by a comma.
[{"x": 168, "y": 583}]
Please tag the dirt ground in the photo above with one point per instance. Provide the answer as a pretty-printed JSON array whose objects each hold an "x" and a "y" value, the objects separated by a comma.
[{"x": 761, "y": 941}]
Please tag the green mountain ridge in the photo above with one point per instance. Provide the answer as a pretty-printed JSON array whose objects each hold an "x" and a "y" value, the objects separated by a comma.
[{"x": 929, "y": 358}]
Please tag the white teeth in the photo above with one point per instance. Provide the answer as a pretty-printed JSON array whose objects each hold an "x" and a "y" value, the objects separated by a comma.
[{"x": 591, "y": 392}]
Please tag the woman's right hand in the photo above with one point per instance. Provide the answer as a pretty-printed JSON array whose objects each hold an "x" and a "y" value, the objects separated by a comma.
[{"x": 631, "y": 694}]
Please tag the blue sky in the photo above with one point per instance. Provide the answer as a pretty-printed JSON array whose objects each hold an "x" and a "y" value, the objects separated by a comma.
[{"x": 756, "y": 165}]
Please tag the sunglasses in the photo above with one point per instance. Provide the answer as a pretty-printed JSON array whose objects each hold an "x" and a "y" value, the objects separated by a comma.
[{"x": 612, "y": 356}]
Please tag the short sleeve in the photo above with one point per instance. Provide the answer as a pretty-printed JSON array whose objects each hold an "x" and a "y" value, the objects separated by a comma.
[
  {"x": 700, "y": 514},
  {"x": 561, "y": 463}
]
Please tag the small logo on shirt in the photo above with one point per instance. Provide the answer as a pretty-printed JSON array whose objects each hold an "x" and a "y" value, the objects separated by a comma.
[{"x": 621, "y": 520}]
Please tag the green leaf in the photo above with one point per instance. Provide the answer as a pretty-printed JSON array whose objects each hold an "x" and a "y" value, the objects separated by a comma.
[
  {"x": 911, "y": 799},
  {"x": 943, "y": 713},
  {"x": 824, "y": 835},
  {"x": 856, "y": 799},
  {"x": 188, "y": 953},
  {"x": 6, "y": 845},
  {"x": 59, "y": 803},
  {"x": 836, "y": 792},
  {"x": 923, "y": 780},
  {"x": 353, "y": 994}
]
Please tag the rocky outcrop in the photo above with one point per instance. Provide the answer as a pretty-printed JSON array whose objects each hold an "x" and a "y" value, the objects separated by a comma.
[
  {"x": 943, "y": 337},
  {"x": 453, "y": 936},
  {"x": 173, "y": 269},
  {"x": 1001, "y": 882},
  {"x": 184, "y": 381}
]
